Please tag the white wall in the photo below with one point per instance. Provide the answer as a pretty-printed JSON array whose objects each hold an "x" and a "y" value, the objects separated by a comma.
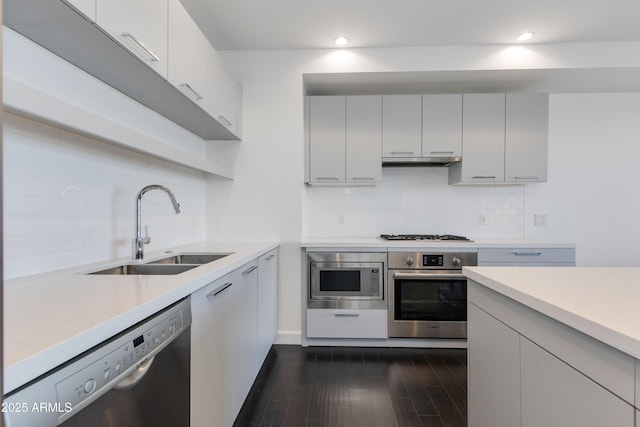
[{"x": 268, "y": 199}]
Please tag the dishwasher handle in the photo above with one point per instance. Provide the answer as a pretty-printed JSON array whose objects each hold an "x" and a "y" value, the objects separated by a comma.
[{"x": 136, "y": 376}]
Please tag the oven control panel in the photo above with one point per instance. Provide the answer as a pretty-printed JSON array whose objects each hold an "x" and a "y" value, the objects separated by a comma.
[{"x": 432, "y": 260}]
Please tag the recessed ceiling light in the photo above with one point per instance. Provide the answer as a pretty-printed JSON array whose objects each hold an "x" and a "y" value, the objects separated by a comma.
[
  {"x": 527, "y": 35},
  {"x": 341, "y": 40}
]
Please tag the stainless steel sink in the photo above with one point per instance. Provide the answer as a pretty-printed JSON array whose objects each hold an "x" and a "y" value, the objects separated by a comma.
[
  {"x": 195, "y": 258},
  {"x": 147, "y": 269}
]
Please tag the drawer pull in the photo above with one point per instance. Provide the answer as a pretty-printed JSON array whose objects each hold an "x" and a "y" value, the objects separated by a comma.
[
  {"x": 249, "y": 270},
  {"x": 527, "y": 177},
  {"x": 527, "y": 253},
  {"x": 363, "y": 178},
  {"x": 346, "y": 314},
  {"x": 222, "y": 288},
  {"x": 484, "y": 177},
  {"x": 141, "y": 46},
  {"x": 270, "y": 257},
  {"x": 401, "y": 153},
  {"x": 442, "y": 152},
  {"x": 186, "y": 88},
  {"x": 328, "y": 178}
]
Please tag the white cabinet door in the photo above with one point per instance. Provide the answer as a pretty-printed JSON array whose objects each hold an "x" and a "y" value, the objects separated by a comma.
[
  {"x": 337, "y": 323},
  {"x": 526, "y": 137},
  {"x": 493, "y": 371},
  {"x": 364, "y": 139},
  {"x": 140, "y": 26},
  {"x": 213, "y": 352},
  {"x": 267, "y": 303},
  {"x": 327, "y": 139},
  {"x": 483, "y": 121},
  {"x": 401, "y": 126},
  {"x": 442, "y": 125},
  {"x": 555, "y": 394},
  {"x": 86, "y": 7},
  {"x": 197, "y": 70},
  {"x": 245, "y": 327}
]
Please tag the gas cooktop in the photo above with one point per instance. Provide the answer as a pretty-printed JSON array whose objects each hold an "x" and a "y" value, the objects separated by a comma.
[{"x": 427, "y": 237}]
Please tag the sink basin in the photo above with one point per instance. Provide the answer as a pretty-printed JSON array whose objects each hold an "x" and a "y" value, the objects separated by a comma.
[
  {"x": 146, "y": 269},
  {"x": 201, "y": 258}
]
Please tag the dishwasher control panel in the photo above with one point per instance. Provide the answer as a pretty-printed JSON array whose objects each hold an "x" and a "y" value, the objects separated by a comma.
[{"x": 120, "y": 362}]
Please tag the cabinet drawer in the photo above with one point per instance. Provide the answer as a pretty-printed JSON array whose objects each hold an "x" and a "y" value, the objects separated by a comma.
[
  {"x": 336, "y": 323},
  {"x": 526, "y": 256}
]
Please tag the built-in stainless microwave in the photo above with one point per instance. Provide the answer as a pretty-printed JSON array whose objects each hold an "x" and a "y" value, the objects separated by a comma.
[{"x": 346, "y": 280}]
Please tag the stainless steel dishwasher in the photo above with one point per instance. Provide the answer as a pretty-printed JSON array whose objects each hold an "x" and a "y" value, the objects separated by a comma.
[{"x": 139, "y": 378}]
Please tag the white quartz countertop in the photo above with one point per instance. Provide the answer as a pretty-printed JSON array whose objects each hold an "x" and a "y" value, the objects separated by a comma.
[
  {"x": 376, "y": 242},
  {"x": 50, "y": 318},
  {"x": 603, "y": 303}
]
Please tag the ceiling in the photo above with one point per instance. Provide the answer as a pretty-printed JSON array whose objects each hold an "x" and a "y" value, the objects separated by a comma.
[{"x": 303, "y": 24}]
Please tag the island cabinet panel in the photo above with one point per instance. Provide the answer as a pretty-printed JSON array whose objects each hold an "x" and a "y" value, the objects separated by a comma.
[
  {"x": 493, "y": 371},
  {"x": 555, "y": 394},
  {"x": 602, "y": 377}
]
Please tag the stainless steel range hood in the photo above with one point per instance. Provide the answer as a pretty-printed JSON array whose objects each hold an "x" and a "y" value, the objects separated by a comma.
[{"x": 420, "y": 161}]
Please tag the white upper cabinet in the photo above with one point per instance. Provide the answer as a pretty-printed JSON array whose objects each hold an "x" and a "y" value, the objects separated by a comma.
[
  {"x": 195, "y": 68},
  {"x": 140, "y": 26},
  {"x": 364, "y": 139},
  {"x": 327, "y": 139},
  {"x": 442, "y": 126},
  {"x": 86, "y": 7},
  {"x": 526, "y": 137},
  {"x": 504, "y": 139},
  {"x": 482, "y": 138},
  {"x": 401, "y": 126},
  {"x": 345, "y": 139}
]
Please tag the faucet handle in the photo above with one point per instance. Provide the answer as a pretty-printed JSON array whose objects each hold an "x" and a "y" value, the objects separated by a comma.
[{"x": 146, "y": 239}]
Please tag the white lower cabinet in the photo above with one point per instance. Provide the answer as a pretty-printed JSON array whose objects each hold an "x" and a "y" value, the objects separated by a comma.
[
  {"x": 527, "y": 370},
  {"x": 213, "y": 352},
  {"x": 267, "y": 303},
  {"x": 555, "y": 394},
  {"x": 339, "y": 323},
  {"x": 493, "y": 348},
  {"x": 225, "y": 355},
  {"x": 531, "y": 257}
]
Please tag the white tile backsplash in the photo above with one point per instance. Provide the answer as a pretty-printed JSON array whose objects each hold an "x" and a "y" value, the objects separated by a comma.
[
  {"x": 414, "y": 200},
  {"x": 70, "y": 200}
]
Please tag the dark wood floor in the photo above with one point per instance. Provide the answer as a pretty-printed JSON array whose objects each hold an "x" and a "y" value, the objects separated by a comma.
[{"x": 338, "y": 386}]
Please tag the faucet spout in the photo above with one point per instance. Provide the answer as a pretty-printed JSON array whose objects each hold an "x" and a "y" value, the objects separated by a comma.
[{"x": 140, "y": 241}]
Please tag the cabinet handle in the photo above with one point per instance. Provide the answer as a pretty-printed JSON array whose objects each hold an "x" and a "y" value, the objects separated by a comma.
[
  {"x": 224, "y": 121},
  {"x": 346, "y": 314},
  {"x": 442, "y": 152},
  {"x": 187, "y": 88},
  {"x": 526, "y": 177},
  {"x": 151, "y": 55},
  {"x": 215, "y": 292},
  {"x": 398, "y": 153},
  {"x": 328, "y": 178},
  {"x": 249, "y": 270},
  {"x": 270, "y": 257},
  {"x": 527, "y": 253},
  {"x": 483, "y": 177},
  {"x": 363, "y": 178}
]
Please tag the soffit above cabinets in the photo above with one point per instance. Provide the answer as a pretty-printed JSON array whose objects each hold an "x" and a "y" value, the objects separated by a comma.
[{"x": 621, "y": 79}]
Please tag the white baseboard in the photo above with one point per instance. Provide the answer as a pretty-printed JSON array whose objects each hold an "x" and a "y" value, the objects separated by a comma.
[{"x": 289, "y": 337}]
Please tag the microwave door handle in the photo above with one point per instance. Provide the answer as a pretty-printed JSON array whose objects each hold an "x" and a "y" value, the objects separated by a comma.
[{"x": 427, "y": 276}]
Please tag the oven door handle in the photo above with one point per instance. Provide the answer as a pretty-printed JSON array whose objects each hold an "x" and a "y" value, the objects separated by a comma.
[{"x": 428, "y": 276}]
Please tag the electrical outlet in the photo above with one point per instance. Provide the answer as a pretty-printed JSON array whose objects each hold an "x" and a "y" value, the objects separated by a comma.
[
  {"x": 541, "y": 220},
  {"x": 483, "y": 219}
]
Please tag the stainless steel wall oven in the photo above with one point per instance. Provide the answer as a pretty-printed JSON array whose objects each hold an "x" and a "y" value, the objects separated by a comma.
[
  {"x": 428, "y": 294},
  {"x": 346, "y": 280}
]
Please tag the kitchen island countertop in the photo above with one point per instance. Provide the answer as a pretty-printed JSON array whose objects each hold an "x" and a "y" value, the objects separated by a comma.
[
  {"x": 52, "y": 317},
  {"x": 603, "y": 303}
]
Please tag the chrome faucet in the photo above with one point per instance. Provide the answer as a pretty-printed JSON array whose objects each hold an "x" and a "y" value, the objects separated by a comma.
[{"x": 140, "y": 241}]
